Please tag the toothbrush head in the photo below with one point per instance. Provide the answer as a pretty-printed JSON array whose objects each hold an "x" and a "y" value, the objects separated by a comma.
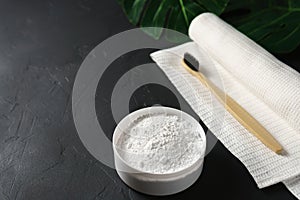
[{"x": 191, "y": 62}]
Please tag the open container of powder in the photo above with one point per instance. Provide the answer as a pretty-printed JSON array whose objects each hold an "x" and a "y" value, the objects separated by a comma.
[{"x": 159, "y": 150}]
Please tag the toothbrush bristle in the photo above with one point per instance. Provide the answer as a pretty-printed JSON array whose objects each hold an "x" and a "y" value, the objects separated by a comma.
[{"x": 191, "y": 61}]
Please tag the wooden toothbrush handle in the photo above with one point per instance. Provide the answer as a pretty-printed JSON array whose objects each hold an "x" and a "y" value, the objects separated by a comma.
[{"x": 239, "y": 113}]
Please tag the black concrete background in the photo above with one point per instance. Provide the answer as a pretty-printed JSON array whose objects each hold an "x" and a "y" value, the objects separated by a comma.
[{"x": 42, "y": 44}]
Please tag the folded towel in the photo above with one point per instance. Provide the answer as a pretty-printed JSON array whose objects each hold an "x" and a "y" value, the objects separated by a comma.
[{"x": 267, "y": 88}]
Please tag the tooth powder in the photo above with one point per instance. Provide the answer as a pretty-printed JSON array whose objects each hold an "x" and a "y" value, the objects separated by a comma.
[{"x": 160, "y": 144}]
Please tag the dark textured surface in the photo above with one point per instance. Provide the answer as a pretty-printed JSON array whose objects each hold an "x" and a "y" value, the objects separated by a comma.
[{"x": 42, "y": 44}]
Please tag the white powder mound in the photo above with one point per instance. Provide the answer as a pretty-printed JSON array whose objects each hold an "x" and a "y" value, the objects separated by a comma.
[{"x": 160, "y": 144}]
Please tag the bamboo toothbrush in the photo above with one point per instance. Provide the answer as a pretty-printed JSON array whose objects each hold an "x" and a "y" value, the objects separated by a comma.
[{"x": 237, "y": 111}]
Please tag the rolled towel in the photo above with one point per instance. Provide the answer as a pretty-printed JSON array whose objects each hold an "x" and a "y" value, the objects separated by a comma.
[{"x": 271, "y": 80}]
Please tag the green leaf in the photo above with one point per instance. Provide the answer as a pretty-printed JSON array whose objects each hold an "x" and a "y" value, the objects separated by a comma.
[
  {"x": 215, "y": 6},
  {"x": 133, "y": 9},
  {"x": 172, "y": 14},
  {"x": 275, "y": 26}
]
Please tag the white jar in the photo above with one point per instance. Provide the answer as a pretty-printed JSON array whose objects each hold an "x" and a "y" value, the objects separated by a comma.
[{"x": 157, "y": 184}]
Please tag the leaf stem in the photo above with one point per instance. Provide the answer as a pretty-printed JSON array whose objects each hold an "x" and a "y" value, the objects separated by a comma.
[{"x": 184, "y": 13}]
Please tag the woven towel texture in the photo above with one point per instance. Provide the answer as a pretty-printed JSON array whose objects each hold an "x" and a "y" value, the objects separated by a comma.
[
  {"x": 267, "y": 88},
  {"x": 273, "y": 81}
]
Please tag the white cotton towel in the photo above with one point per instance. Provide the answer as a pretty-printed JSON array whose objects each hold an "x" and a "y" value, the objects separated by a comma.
[{"x": 267, "y": 88}]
